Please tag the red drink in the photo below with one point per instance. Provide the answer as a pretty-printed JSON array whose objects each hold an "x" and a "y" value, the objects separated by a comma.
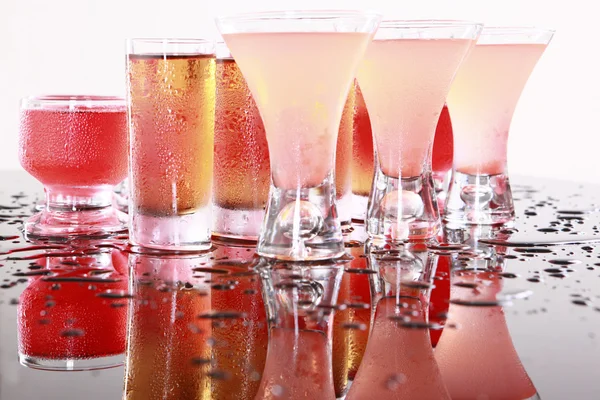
[
  {"x": 241, "y": 169},
  {"x": 75, "y": 147},
  {"x": 363, "y": 166},
  {"x": 64, "y": 318},
  {"x": 443, "y": 145}
]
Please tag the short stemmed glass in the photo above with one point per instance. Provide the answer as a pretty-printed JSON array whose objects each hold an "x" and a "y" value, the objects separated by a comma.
[
  {"x": 405, "y": 76},
  {"x": 300, "y": 66},
  {"x": 482, "y": 100},
  {"x": 76, "y": 146}
]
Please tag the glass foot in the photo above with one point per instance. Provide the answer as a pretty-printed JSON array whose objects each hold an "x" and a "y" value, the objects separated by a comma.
[
  {"x": 402, "y": 209},
  {"x": 302, "y": 224},
  {"x": 94, "y": 222},
  {"x": 189, "y": 232},
  {"x": 479, "y": 199},
  {"x": 72, "y": 364}
]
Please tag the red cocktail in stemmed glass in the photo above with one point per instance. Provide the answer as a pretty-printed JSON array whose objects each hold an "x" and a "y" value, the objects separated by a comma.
[{"x": 76, "y": 146}]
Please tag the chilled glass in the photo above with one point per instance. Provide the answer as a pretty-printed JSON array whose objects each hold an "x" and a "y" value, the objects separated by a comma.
[{"x": 301, "y": 108}]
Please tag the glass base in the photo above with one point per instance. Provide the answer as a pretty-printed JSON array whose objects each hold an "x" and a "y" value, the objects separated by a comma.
[
  {"x": 479, "y": 200},
  {"x": 93, "y": 222},
  {"x": 70, "y": 364},
  {"x": 190, "y": 232},
  {"x": 237, "y": 224},
  {"x": 359, "y": 207},
  {"x": 302, "y": 224},
  {"x": 402, "y": 209}
]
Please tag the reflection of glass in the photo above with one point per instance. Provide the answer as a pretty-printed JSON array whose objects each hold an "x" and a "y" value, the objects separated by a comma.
[
  {"x": 399, "y": 361},
  {"x": 197, "y": 326},
  {"x": 171, "y": 86},
  {"x": 240, "y": 348},
  {"x": 352, "y": 320},
  {"x": 301, "y": 108},
  {"x": 77, "y": 147},
  {"x": 482, "y": 101},
  {"x": 168, "y": 355},
  {"x": 478, "y": 359},
  {"x": 301, "y": 300},
  {"x": 73, "y": 313},
  {"x": 404, "y": 101}
]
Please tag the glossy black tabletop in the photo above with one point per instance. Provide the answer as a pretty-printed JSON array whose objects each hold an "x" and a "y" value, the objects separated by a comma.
[{"x": 550, "y": 297}]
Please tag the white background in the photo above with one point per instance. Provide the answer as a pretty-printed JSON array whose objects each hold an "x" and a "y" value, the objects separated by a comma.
[{"x": 77, "y": 46}]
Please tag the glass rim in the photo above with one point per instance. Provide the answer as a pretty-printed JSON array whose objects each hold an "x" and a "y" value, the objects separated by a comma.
[
  {"x": 513, "y": 30},
  {"x": 158, "y": 40},
  {"x": 426, "y": 23},
  {"x": 296, "y": 15},
  {"x": 73, "y": 100}
]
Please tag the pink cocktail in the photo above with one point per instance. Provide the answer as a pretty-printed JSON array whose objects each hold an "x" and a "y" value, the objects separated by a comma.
[
  {"x": 482, "y": 101},
  {"x": 301, "y": 107},
  {"x": 76, "y": 146},
  {"x": 405, "y": 77}
]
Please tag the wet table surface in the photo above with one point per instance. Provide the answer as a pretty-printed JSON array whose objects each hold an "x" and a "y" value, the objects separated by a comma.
[{"x": 58, "y": 302}]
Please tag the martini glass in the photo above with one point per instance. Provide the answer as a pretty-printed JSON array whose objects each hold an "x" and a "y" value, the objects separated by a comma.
[
  {"x": 299, "y": 66},
  {"x": 405, "y": 76},
  {"x": 483, "y": 98}
]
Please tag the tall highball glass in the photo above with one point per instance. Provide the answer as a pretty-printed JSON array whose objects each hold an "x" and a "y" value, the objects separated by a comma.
[{"x": 171, "y": 94}]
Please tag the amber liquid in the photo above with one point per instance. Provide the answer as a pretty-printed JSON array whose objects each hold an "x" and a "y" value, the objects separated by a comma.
[
  {"x": 171, "y": 124},
  {"x": 363, "y": 161},
  {"x": 351, "y": 325},
  {"x": 343, "y": 152},
  {"x": 241, "y": 175},
  {"x": 161, "y": 348}
]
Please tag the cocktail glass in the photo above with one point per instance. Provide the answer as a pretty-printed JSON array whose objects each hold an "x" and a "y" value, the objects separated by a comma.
[
  {"x": 76, "y": 146},
  {"x": 399, "y": 361},
  {"x": 301, "y": 299},
  {"x": 72, "y": 316},
  {"x": 301, "y": 108},
  {"x": 241, "y": 173},
  {"x": 404, "y": 77},
  {"x": 482, "y": 100},
  {"x": 171, "y": 95}
]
